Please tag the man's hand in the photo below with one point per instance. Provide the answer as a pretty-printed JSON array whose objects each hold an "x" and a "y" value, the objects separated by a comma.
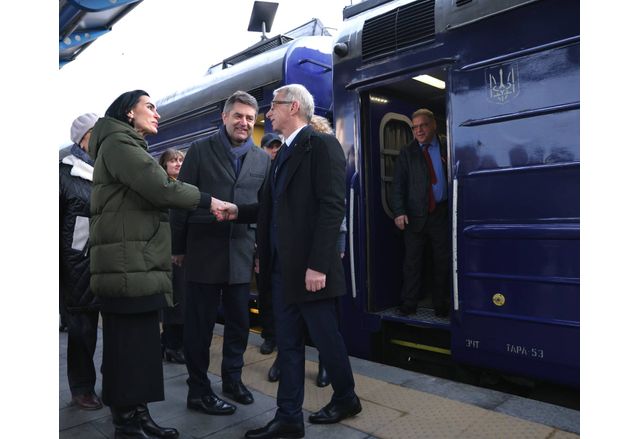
[
  {"x": 401, "y": 221},
  {"x": 314, "y": 280},
  {"x": 177, "y": 260},
  {"x": 223, "y": 210}
]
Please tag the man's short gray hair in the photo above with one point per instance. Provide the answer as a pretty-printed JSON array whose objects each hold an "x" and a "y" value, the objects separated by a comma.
[
  {"x": 243, "y": 97},
  {"x": 297, "y": 92},
  {"x": 423, "y": 112}
]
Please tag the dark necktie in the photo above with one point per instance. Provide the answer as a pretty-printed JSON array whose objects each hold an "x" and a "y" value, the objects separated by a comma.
[
  {"x": 432, "y": 177},
  {"x": 280, "y": 158}
]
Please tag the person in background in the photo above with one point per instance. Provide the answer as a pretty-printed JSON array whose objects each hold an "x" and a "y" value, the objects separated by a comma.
[
  {"x": 131, "y": 258},
  {"x": 420, "y": 209},
  {"x": 78, "y": 304},
  {"x": 218, "y": 257},
  {"x": 323, "y": 125},
  {"x": 270, "y": 143},
  {"x": 173, "y": 317}
]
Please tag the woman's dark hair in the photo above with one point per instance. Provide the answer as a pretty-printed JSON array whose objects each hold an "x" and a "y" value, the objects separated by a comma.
[{"x": 123, "y": 104}]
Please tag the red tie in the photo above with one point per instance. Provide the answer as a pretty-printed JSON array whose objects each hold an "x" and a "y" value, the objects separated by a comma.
[{"x": 432, "y": 178}]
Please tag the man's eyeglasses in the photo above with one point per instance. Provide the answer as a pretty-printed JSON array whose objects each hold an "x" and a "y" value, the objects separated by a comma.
[
  {"x": 421, "y": 126},
  {"x": 273, "y": 103}
]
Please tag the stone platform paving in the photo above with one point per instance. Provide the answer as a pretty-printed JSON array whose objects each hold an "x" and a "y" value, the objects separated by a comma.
[{"x": 397, "y": 404}]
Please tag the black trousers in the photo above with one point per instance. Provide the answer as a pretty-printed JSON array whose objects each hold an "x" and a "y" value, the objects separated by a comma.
[
  {"x": 172, "y": 336},
  {"x": 173, "y": 318},
  {"x": 81, "y": 345},
  {"x": 201, "y": 314},
  {"x": 131, "y": 362},
  {"x": 434, "y": 233},
  {"x": 266, "y": 310},
  {"x": 320, "y": 318}
]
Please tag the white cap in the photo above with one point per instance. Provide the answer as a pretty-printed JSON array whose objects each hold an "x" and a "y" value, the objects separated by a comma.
[{"x": 81, "y": 125}]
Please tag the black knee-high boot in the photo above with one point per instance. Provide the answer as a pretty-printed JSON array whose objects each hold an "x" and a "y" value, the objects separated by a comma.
[
  {"x": 127, "y": 423},
  {"x": 150, "y": 427}
]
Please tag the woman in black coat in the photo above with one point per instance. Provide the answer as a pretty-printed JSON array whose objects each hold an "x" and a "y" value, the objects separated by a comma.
[{"x": 173, "y": 317}]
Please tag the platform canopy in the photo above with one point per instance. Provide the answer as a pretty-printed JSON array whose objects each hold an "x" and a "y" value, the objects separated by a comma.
[{"x": 84, "y": 21}]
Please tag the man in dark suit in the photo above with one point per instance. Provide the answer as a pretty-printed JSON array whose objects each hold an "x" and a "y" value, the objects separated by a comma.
[
  {"x": 298, "y": 226},
  {"x": 218, "y": 256},
  {"x": 420, "y": 209}
]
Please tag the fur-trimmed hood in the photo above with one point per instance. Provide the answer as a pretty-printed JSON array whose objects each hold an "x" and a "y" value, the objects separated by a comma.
[{"x": 79, "y": 168}]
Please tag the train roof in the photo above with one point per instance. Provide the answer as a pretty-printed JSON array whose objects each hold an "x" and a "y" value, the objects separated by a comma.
[
  {"x": 249, "y": 69},
  {"x": 82, "y": 22}
]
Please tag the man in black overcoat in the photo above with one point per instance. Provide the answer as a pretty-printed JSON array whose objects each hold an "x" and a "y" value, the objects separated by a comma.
[{"x": 298, "y": 225}]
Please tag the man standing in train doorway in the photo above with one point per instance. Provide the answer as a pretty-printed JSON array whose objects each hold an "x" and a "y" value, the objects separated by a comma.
[
  {"x": 298, "y": 226},
  {"x": 420, "y": 210},
  {"x": 218, "y": 257}
]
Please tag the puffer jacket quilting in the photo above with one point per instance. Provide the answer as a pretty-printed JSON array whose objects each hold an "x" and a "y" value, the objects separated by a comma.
[
  {"x": 74, "y": 195},
  {"x": 130, "y": 234}
]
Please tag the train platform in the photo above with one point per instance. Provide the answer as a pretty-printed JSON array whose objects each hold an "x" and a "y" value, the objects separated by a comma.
[{"x": 397, "y": 404}]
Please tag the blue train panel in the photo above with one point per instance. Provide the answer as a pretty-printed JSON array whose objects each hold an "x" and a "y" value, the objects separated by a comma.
[{"x": 506, "y": 96}]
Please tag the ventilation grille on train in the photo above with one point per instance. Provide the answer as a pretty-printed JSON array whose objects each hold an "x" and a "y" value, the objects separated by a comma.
[
  {"x": 462, "y": 2},
  {"x": 399, "y": 29},
  {"x": 256, "y": 49}
]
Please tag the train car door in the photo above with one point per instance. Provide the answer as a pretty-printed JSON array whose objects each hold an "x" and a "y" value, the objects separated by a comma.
[
  {"x": 389, "y": 128},
  {"x": 516, "y": 185},
  {"x": 387, "y": 113}
]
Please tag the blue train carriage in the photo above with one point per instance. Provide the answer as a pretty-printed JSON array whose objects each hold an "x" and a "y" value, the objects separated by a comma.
[
  {"x": 302, "y": 56},
  {"x": 502, "y": 78}
]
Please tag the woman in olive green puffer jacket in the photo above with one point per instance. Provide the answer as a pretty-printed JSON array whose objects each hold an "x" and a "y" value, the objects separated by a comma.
[{"x": 131, "y": 257}]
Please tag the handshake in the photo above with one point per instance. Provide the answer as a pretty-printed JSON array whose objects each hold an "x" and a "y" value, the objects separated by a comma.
[{"x": 223, "y": 210}]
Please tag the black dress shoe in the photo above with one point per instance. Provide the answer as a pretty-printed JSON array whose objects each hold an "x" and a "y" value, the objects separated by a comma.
[
  {"x": 267, "y": 346},
  {"x": 150, "y": 427},
  {"x": 174, "y": 356},
  {"x": 211, "y": 405},
  {"x": 274, "y": 372},
  {"x": 277, "y": 429},
  {"x": 238, "y": 392},
  {"x": 127, "y": 424},
  {"x": 406, "y": 309},
  {"x": 332, "y": 413},
  {"x": 87, "y": 401},
  {"x": 322, "y": 380}
]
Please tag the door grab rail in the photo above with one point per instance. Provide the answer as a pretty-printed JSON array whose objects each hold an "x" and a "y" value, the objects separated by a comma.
[{"x": 352, "y": 262}]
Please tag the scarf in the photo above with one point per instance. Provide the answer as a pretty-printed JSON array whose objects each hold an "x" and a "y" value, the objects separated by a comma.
[{"x": 235, "y": 153}]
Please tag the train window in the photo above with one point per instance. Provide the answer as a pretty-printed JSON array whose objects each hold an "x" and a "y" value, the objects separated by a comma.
[{"x": 395, "y": 132}]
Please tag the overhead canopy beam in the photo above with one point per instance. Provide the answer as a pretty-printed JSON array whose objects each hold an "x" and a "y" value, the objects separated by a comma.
[{"x": 82, "y": 21}]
